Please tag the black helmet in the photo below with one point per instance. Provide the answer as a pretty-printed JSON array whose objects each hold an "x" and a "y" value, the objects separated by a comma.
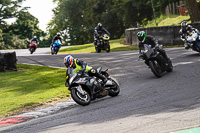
[
  {"x": 99, "y": 25},
  {"x": 141, "y": 36},
  {"x": 184, "y": 25}
]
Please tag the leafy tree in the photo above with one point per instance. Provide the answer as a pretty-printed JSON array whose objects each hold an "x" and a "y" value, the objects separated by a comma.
[
  {"x": 8, "y": 9},
  {"x": 78, "y": 18},
  {"x": 193, "y": 10},
  {"x": 13, "y": 41},
  {"x": 26, "y": 25},
  {"x": 17, "y": 34},
  {"x": 1, "y": 40}
]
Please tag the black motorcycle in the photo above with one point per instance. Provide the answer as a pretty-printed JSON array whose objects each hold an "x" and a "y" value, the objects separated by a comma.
[
  {"x": 103, "y": 43},
  {"x": 85, "y": 88},
  {"x": 155, "y": 60}
]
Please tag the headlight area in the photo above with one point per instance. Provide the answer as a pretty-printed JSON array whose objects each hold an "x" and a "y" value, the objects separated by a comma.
[{"x": 71, "y": 79}]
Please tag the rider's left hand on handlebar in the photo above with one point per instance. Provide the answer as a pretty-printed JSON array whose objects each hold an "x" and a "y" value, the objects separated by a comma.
[{"x": 82, "y": 71}]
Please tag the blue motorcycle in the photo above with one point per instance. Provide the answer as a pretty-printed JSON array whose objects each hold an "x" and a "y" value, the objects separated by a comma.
[
  {"x": 193, "y": 41},
  {"x": 56, "y": 46}
]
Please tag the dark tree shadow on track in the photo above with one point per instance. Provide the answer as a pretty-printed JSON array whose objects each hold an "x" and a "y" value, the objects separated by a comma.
[{"x": 193, "y": 55}]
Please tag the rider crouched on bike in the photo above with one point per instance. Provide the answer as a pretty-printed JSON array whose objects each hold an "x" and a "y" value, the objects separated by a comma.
[
  {"x": 56, "y": 37},
  {"x": 34, "y": 39},
  {"x": 99, "y": 29},
  {"x": 185, "y": 31},
  {"x": 81, "y": 66},
  {"x": 149, "y": 40}
]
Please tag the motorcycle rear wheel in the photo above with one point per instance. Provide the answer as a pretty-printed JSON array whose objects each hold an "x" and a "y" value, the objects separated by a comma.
[
  {"x": 79, "y": 98},
  {"x": 155, "y": 68}
]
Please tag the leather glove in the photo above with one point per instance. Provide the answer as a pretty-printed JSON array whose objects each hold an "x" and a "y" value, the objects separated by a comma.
[
  {"x": 81, "y": 71},
  {"x": 141, "y": 56}
]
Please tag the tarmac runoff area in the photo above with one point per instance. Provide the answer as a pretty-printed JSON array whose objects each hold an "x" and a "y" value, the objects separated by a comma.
[
  {"x": 57, "y": 108},
  {"x": 38, "y": 113}
]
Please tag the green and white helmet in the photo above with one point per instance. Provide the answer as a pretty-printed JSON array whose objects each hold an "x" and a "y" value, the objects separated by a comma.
[{"x": 141, "y": 36}]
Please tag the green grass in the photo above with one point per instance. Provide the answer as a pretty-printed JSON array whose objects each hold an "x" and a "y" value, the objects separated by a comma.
[
  {"x": 115, "y": 45},
  {"x": 30, "y": 86},
  {"x": 172, "y": 20}
]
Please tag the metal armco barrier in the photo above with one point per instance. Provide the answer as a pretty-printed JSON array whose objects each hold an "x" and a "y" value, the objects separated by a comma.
[
  {"x": 166, "y": 35},
  {"x": 8, "y": 61}
]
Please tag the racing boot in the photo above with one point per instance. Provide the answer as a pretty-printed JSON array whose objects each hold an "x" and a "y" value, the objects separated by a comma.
[
  {"x": 104, "y": 93},
  {"x": 186, "y": 46},
  {"x": 95, "y": 43},
  {"x": 165, "y": 56}
]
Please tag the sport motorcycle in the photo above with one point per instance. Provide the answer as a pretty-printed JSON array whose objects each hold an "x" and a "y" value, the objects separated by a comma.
[
  {"x": 193, "y": 41},
  {"x": 155, "y": 60},
  {"x": 103, "y": 43},
  {"x": 32, "y": 47},
  {"x": 85, "y": 88}
]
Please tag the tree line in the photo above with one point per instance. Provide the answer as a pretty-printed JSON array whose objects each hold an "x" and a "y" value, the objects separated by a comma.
[
  {"x": 18, "y": 34},
  {"x": 77, "y": 18}
]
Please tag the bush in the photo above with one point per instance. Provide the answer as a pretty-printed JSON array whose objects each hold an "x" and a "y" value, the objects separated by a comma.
[{"x": 11, "y": 41}]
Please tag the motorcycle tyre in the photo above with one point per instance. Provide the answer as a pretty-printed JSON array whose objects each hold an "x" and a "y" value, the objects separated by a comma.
[
  {"x": 31, "y": 50},
  {"x": 170, "y": 67},
  {"x": 78, "y": 100},
  {"x": 97, "y": 50},
  {"x": 113, "y": 92},
  {"x": 52, "y": 51},
  {"x": 157, "y": 73},
  {"x": 108, "y": 49}
]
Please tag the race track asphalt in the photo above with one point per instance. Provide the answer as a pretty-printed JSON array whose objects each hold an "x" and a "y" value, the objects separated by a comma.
[{"x": 146, "y": 104}]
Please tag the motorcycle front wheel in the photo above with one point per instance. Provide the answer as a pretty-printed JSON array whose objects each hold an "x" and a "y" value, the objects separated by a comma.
[
  {"x": 108, "y": 49},
  {"x": 80, "y": 98},
  {"x": 97, "y": 50},
  {"x": 31, "y": 50},
  {"x": 107, "y": 46},
  {"x": 52, "y": 50},
  {"x": 155, "y": 68},
  {"x": 114, "y": 89},
  {"x": 169, "y": 67}
]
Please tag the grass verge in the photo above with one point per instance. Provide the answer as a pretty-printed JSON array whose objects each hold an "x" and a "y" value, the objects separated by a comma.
[
  {"x": 29, "y": 87},
  {"x": 172, "y": 20},
  {"x": 115, "y": 45}
]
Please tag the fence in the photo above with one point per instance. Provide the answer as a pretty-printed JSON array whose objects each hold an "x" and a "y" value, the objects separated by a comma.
[
  {"x": 176, "y": 8},
  {"x": 166, "y": 35}
]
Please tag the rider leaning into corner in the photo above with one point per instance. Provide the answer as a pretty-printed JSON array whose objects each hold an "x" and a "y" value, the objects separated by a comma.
[
  {"x": 81, "y": 66},
  {"x": 98, "y": 30},
  {"x": 34, "y": 39},
  {"x": 149, "y": 40},
  {"x": 185, "y": 31},
  {"x": 56, "y": 37}
]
